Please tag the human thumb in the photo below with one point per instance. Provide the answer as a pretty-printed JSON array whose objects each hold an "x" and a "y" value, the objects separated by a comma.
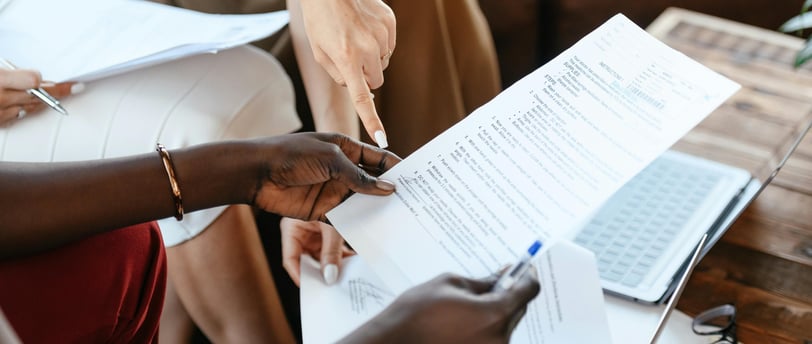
[
  {"x": 524, "y": 291},
  {"x": 332, "y": 245}
]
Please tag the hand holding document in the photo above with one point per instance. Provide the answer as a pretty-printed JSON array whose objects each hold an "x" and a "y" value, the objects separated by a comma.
[
  {"x": 518, "y": 269},
  {"x": 38, "y": 92},
  {"x": 569, "y": 309},
  {"x": 535, "y": 162},
  {"x": 83, "y": 40},
  {"x": 330, "y": 312},
  {"x": 566, "y": 305}
]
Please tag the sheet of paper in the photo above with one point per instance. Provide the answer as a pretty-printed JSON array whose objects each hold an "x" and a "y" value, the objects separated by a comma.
[
  {"x": 569, "y": 308},
  {"x": 331, "y": 312},
  {"x": 569, "y": 302},
  {"x": 82, "y": 40},
  {"x": 535, "y": 161}
]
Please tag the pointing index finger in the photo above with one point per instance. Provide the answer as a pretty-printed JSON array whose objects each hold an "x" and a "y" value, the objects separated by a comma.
[{"x": 365, "y": 107}]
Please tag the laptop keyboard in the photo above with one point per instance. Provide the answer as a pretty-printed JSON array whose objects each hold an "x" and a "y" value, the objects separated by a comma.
[{"x": 635, "y": 226}]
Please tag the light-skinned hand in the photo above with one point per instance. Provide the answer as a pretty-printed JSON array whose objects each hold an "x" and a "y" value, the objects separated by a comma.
[
  {"x": 14, "y": 98},
  {"x": 318, "y": 239},
  {"x": 353, "y": 40}
]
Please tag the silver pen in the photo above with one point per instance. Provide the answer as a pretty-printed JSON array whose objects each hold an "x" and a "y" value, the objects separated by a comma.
[{"x": 38, "y": 92}]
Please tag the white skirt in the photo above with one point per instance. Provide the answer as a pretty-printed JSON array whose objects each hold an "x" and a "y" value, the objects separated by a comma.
[{"x": 237, "y": 93}]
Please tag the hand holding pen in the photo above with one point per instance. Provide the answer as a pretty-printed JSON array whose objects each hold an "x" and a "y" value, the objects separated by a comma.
[
  {"x": 23, "y": 92},
  {"x": 518, "y": 269},
  {"x": 452, "y": 309}
]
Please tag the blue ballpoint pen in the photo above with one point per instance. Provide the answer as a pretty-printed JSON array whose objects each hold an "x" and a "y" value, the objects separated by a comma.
[
  {"x": 516, "y": 271},
  {"x": 41, "y": 94}
]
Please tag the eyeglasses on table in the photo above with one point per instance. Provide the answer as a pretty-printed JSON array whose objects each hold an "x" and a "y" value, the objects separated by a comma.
[{"x": 717, "y": 321}]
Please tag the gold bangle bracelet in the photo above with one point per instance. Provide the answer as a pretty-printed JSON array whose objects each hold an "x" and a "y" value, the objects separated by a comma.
[{"x": 173, "y": 181}]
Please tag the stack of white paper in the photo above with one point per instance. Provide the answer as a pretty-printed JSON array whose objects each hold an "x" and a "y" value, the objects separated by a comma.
[{"x": 82, "y": 40}]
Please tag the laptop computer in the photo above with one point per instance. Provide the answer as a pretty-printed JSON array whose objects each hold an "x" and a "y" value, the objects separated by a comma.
[{"x": 643, "y": 236}]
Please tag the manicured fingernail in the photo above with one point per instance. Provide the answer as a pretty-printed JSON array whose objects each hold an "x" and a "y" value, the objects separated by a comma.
[
  {"x": 47, "y": 84},
  {"x": 380, "y": 138},
  {"x": 330, "y": 274},
  {"x": 384, "y": 184},
  {"x": 77, "y": 87}
]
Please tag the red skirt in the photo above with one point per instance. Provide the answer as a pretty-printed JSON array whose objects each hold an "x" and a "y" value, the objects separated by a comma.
[{"x": 108, "y": 288}]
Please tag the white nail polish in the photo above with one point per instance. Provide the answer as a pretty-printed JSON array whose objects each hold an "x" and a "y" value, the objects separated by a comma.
[
  {"x": 380, "y": 138},
  {"x": 330, "y": 274},
  {"x": 77, "y": 88}
]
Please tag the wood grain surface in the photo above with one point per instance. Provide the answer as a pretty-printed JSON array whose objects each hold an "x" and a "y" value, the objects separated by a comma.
[{"x": 763, "y": 264}]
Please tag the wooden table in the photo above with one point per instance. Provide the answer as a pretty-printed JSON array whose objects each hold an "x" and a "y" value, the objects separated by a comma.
[{"x": 763, "y": 264}]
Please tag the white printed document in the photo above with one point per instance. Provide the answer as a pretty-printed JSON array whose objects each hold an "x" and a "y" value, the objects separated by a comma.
[
  {"x": 83, "y": 40},
  {"x": 568, "y": 304},
  {"x": 330, "y": 312},
  {"x": 533, "y": 163}
]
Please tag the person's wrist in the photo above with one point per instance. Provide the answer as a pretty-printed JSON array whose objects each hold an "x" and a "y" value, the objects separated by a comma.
[
  {"x": 253, "y": 168},
  {"x": 218, "y": 173}
]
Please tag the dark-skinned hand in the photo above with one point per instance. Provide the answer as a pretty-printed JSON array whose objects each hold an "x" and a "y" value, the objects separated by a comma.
[
  {"x": 451, "y": 309},
  {"x": 308, "y": 174}
]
